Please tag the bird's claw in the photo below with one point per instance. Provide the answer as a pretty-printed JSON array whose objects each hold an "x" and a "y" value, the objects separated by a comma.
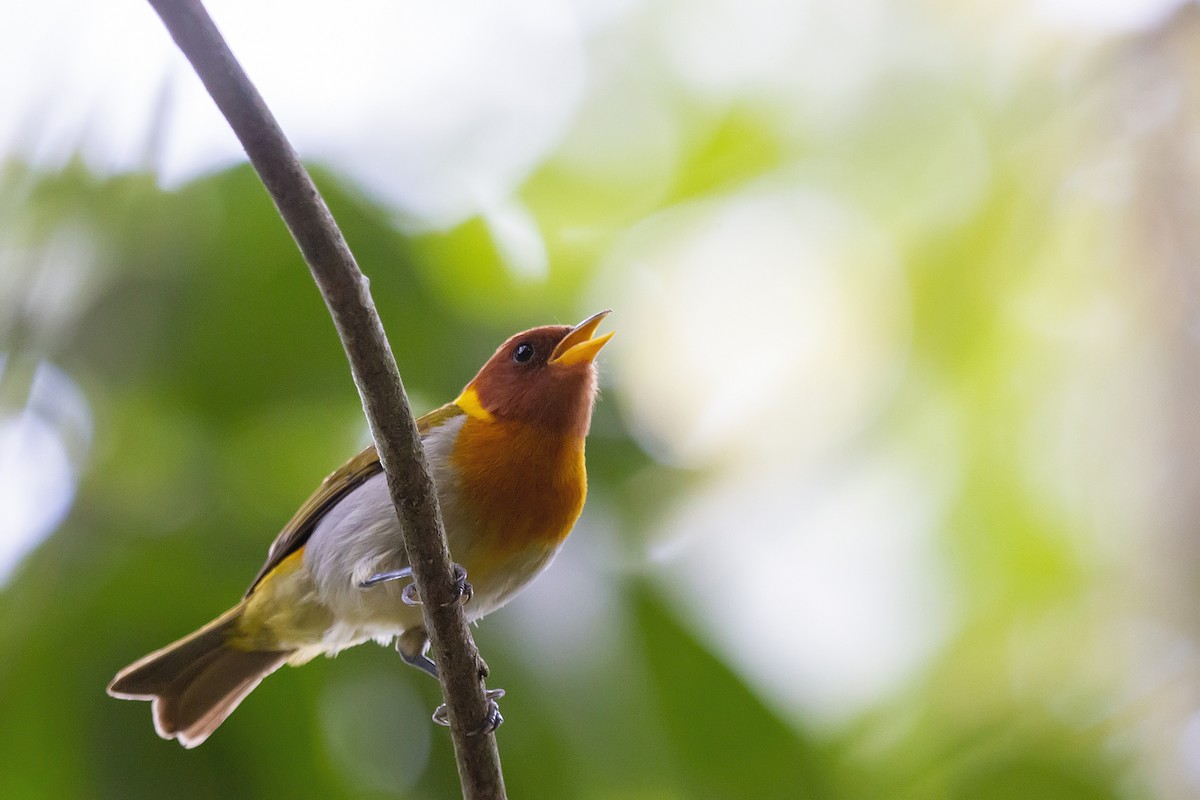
[
  {"x": 491, "y": 721},
  {"x": 462, "y": 591}
]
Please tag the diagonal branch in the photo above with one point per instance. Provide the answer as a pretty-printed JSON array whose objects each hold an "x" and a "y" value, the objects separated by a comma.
[{"x": 346, "y": 293}]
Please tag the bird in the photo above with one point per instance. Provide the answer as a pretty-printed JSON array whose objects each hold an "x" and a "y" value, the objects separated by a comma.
[{"x": 507, "y": 461}]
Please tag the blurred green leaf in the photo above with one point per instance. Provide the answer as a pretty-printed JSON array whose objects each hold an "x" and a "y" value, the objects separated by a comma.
[{"x": 729, "y": 743}]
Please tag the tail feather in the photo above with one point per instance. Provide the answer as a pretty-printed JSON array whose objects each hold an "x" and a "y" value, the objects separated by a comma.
[{"x": 197, "y": 682}]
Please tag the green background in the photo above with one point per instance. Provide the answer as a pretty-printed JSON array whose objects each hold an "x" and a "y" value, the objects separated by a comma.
[{"x": 1037, "y": 391}]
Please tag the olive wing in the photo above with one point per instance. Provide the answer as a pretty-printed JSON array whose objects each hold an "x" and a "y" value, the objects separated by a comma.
[{"x": 336, "y": 486}]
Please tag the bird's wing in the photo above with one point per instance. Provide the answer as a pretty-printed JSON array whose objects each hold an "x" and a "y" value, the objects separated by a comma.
[{"x": 340, "y": 483}]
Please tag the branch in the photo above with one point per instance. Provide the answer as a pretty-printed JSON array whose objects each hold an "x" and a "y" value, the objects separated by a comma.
[{"x": 346, "y": 293}]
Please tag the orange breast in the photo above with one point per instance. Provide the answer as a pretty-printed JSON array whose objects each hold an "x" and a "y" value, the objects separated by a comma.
[{"x": 525, "y": 487}]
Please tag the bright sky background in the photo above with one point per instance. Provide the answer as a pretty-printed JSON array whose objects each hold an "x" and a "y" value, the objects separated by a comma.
[{"x": 442, "y": 109}]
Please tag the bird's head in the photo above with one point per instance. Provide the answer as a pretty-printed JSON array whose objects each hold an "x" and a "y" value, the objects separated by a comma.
[{"x": 544, "y": 377}]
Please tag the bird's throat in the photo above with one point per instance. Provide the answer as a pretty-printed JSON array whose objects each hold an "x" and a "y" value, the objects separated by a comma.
[{"x": 526, "y": 486}]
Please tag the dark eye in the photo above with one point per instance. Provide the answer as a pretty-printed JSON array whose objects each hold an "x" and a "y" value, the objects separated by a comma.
[{"x": 524, "y": 353}]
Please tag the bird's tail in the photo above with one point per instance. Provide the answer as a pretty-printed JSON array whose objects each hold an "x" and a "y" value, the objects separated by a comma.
[{"x": 198, "y": 681}]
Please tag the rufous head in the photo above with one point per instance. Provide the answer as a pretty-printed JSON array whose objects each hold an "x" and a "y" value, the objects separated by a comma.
[{"x": 544, "y": 377}]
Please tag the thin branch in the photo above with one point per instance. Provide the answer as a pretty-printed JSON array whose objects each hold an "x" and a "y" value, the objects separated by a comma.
[{"x": 346, "y": 293}]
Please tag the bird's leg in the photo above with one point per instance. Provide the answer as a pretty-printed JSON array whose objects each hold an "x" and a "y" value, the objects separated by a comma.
[
  {"x": 384, "y": 577},
  {"x": 463, "y": 591},
  {"x": 409, "y": 595},
  {"x": 412, "y": 645}
]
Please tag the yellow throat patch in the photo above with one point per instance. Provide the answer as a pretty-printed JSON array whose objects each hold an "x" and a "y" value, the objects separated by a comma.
[{"x": 468, "y": 401}]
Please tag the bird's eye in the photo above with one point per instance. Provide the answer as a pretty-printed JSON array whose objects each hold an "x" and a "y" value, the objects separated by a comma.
[{"x": 524, "y": 353}]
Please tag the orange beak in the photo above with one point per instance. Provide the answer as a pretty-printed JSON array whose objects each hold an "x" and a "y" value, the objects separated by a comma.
[{"x": 578, "y": 346}]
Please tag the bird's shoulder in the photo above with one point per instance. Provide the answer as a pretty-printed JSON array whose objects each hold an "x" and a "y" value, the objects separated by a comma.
[
  {"x": 435, "y": 419},
  {"x": 339, "y": 483}
]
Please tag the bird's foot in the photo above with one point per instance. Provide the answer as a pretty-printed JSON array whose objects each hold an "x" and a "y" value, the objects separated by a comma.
[
  {"x": 461, "y": 593},
  {"x": 492, "y": 721},
  {"x": 410, "y": 596}
]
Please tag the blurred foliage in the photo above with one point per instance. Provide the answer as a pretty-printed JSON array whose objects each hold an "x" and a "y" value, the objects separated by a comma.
[{"x": 220, "y": 397}]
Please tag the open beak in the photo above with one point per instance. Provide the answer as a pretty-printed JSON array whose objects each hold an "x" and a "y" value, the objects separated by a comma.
[{"x": 578, "y": 346}]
